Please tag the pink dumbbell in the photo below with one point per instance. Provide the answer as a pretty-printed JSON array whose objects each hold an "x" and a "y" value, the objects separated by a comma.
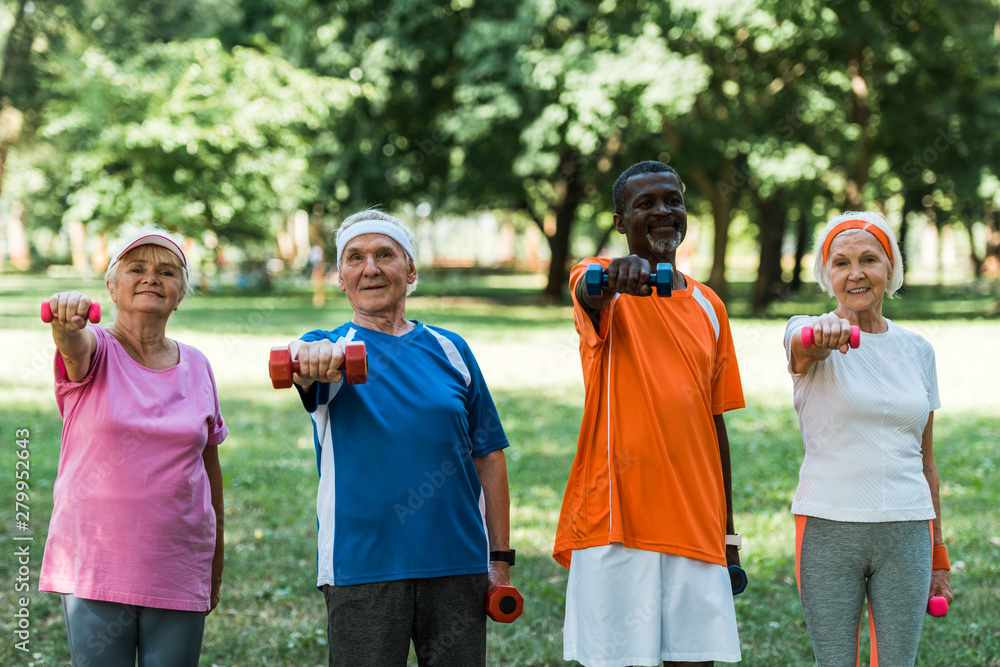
[
  {"x": 937, "y": 606},
  {"x": 809, "y": 337},
  {"x": 94, "y": 314}
]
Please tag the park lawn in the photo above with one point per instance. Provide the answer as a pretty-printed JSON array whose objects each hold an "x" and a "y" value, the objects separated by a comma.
[{"x": 271, "y": 613}]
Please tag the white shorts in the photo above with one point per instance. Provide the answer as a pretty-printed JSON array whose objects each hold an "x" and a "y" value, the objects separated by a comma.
[{"x": 633, "y": 607}]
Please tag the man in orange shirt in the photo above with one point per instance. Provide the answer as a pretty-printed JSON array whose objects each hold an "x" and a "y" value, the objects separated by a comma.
[{"x": 647, "y": 517}]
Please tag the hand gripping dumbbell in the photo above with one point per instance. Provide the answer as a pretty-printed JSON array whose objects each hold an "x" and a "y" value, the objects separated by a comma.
[
  {"x": 937, "y": 606},
  {"x": 809, "y": 337},
  {"x": 94, "y": 314},
  {"x": 504, "y": 604},
  {"x": 281, "y": 366},
  {"x": 662, "y": 281},
  {"x": 738, "y": 578}
]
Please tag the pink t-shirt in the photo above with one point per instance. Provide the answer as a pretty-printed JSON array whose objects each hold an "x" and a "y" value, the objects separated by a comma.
[{"x": 133, "y": 520}]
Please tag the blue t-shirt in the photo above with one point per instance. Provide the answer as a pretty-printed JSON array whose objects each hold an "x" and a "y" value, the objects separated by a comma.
[{"x": 399, "y": 497}]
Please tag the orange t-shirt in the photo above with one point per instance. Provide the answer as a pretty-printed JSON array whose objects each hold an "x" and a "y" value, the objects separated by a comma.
[{"x": 647, "y": 471}]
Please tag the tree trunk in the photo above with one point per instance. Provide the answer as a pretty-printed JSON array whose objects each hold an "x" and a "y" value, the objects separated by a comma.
[
  {"x": 769, "y": 285},
  {"x": 569, "y": 194},
  {"x": 977, "y": 262},
  {"x": 720, "y": 193},
  {"x": 603, "y": 241},
  {"x": 860, "y": 116},
  {"x": 16, "y": 51},
  {"x": 721, "y": 211},
  {"x": 559, "y": 251},
  {"x": 801, "y": 241},
  {"x": 992, "y": 232}
]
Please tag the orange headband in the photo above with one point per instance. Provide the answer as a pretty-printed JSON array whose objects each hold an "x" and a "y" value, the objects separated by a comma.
[{"x": 869, "y": 227}]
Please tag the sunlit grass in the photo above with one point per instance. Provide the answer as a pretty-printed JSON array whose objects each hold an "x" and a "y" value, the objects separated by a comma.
[{"x": 271, "y": 613}]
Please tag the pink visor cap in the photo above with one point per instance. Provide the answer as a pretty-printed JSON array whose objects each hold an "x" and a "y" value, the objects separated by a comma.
[{"x": 149, "y": 239}]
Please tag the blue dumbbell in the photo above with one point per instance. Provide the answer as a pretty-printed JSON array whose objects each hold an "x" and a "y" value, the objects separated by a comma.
[
  {"x": 738, "y": 578},
  {"x": 662, "y": 281}
]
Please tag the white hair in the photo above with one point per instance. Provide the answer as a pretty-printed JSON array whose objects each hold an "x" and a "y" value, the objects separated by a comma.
[
  {"x": 403, "y": 233},
  {"x": 822, "y": 272}
]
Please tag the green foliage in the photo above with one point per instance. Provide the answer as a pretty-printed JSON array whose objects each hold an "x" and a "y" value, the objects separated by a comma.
[{"x": 188, "y": 135}]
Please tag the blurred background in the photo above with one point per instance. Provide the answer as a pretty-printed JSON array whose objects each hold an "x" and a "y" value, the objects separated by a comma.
[{"x": 251, "y": 128}]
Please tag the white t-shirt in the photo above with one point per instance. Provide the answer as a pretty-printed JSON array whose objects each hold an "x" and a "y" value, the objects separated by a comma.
[{"x": 862, "y": 417}]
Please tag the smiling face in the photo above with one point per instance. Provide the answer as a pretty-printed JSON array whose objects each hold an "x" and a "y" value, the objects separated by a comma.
[
  {"x": 148, "y": 280},
  {"x": 859, "y": 270},
  {"x": 374, "y": 273},
  {"x": 655, "y": 220}
]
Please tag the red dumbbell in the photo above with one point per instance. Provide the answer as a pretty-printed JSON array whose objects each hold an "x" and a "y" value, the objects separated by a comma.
[
  {"x": 94, "y": 314},
  {"x": 504, "y": 604},
  {"x": 809, "y": 337},
  {"x": 281, "y": 366},
  {"x": 937, "y": 606}
]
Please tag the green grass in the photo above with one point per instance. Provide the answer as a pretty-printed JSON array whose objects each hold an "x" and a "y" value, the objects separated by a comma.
[{"x": 271, "y": 613}]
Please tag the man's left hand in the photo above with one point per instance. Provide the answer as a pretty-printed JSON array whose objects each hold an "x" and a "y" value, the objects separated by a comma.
[{"x": 732, "y": 555}]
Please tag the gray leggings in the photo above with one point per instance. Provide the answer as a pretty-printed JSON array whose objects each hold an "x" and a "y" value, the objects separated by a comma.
[
  {"x": 839, "y": 563},
  {"x": 110, "y": 634}
]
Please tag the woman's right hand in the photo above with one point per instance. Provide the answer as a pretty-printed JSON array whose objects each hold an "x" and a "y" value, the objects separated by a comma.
[
  {"x": 830, "y": 333},
  {"x": 69, "y": 310},
  {"x": 319, "y": 361},
  {"x": 76, "y": 343}
]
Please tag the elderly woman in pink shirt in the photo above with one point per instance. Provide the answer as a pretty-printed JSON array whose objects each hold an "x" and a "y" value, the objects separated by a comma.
[{"x": 135, "y": 542}]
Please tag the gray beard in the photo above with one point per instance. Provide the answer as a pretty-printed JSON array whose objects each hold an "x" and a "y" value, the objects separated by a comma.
[{"x": 664, "y": 246}]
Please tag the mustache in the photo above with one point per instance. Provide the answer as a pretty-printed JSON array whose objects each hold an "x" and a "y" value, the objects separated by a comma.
[{"x": 664, "y": 222}]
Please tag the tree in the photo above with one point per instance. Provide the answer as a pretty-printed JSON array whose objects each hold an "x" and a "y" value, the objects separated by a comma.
[
  {"x": 565, "y": 99},
  {"x": 188, "y": 135},
  {"x": 500, "y": 105},
  {"x": 132, "y": 119},
  {"x": 860, "y": 87}
]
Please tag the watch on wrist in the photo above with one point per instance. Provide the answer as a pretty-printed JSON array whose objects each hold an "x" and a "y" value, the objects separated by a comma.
[
  {"x": 505, "y": 556},
  {"x": 734, "y": 540}
]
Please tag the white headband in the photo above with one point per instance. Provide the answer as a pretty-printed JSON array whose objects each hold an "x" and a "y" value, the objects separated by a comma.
[{"x": 393, "y": 231}]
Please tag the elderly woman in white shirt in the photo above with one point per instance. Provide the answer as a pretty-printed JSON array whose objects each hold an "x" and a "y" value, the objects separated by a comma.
[{"x": 867, "y": 509}]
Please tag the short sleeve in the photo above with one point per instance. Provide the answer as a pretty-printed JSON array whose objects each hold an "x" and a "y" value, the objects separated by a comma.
[
  {"x": 217, "y": 431},
  {"x": 589, "y": 335},
  {"x": 727, "y": 387},
  {"x": 485, "y": 430}
]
